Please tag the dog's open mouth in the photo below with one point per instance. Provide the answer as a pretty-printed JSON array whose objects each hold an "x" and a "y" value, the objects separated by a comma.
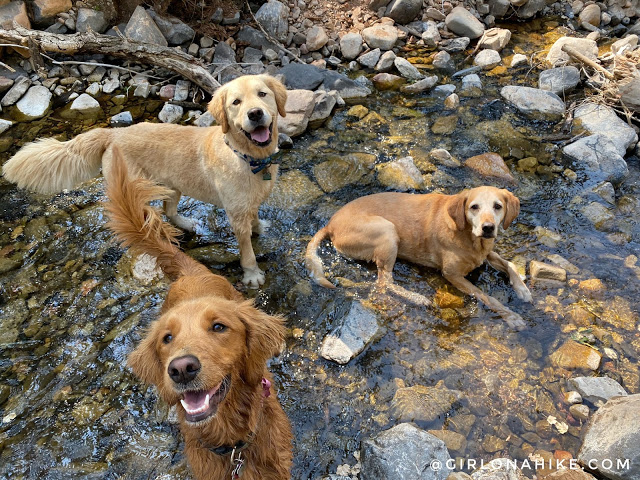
[
  {"x": 199, "y": 405},
  {"x": 261, "y": 136}
]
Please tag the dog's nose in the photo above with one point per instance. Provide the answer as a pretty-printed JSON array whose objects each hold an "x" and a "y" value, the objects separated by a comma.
[
  {"x": 184, "y": 369},
  {"x": 488, "y": 228},
  {"x": 255, "y": 114}
]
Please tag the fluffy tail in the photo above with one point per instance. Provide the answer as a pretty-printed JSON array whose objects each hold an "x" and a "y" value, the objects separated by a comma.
[
  {"x": 139, "y": 226},
  {"x": 314, "y": 264},
  {"x": 50, "y": 166}
]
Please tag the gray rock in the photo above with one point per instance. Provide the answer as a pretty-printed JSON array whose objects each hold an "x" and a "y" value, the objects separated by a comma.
[
  {"x": 487, "y": 58},
  {"x": 122, "y": 119},
  {"x": 173, "y": 29},
  {"x": 603, "y": 120},
  {"x": 376, "y": 5},
  {"x": 181, "y": 93},
  {"x": 351, "y": 45},
  {"x": 254, "y": 38},
  {"x": 499, "y": 8},
  {"x": 543, "y": 271},
  {"x": 85, "y": 104},
  {"x": 204, "y": 120},
  {"x": 597, "y": 214},
  {"x": 346, "y": 88},
  {"x": 611, "y": 445},
  {"x": 224, "y": 55},
  {"x": 386, "y": 61},
  {"x": 403, "y": 11},
  {"x": 273, "y": 17},
  {"x": 357, "y": 327},
  {"x": 598, "y": 155},
  {"x": 324, "y": 104},
  {"x": 35, "y": 103},
  {"x": 380, "y": 36},
  {"x": 454, "y": 45},
  {"x": 423, "y": 85},
  {"x": 431, "y": 34},
  {"x": 5, "y": 125},
  {"x": 406, "y": 69},
  {"x": 530, "y": 8},
  {"x": 471, "y": 81},
  {"x": 316, "y": 38},
  {"x": 533, "y": 102},
  {"x": 252, "y": 55},
  {"x": 461, "y": 22},
  {"x": 424, "y": 404},
  {"x": 15, "y": 93},
  {"x": 559, "y": 80},
  {"x": 519, "y": 59},
  {"x": 44, "y": 12},
  {"x": 111, "y": 85},
  {"x": 370, "y": 59},
  {"x": 232, "y": 20},
  {"x": 171, "y": 113},
  {"x": 94, "y": 89},
  {"x": 14, "y": 12},
  {"x": 597, "y": 389},
  {"x": 442, "y": 60},
  {"x": 404, "y": 452},
  {"x": 302, "y": 76},
  {"x": 444, "y": 90},
  {"x": 142, "y": 28},
  {"x": 90, "y": 19},
  {"x": 299, "y": 106}
]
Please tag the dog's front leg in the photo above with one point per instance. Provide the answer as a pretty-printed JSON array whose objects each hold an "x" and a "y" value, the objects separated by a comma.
[
  {"x": 465, "y": 286},
  {"x": 171, "y": 210},
  {"x": 499, "y": 263},
  {"x": 241, "y": 225}
]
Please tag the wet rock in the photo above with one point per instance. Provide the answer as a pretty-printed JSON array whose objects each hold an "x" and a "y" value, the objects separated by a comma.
[
  {"x": 579, "y": 412},
  {"x": 406, "y": 69},
  {"x": 455, "y": 45},
  {"x": 470, "y": 82},
  {"x": 94, "y": 89},
  {"x": 519, "y": 59},
  {"x": 431, "y": 35},
  {"x": 542, "y": 271},
  {"x": 145, "y": 269},
  {"x": 174, "y": 30},
  {"x": 370, "y": 59},
  {"x": 380, "y": 36},
  {"x": 403, "y": 11},
  {"x": 597, "y": 154},
  {"x": 386, "y": 61},
  {"x": 14, "y": 12},
  {"x": 487, "y": 58},
  {"x": 273, "y": 16},
  {"x": 424, "y": 404},
  {"x": 420, "y": 86},
  {"x": 400, "y": 175},
  {"x": 567, "y": 474},
  {"x": 181, "y": 92},
  {"x": 5, "y": 125},
  {"x": 556, "y": 57},
  {"x": 300, "y": 104},
  {"x": 603, "y": 120},
  {"x": 358, "y": 325},
  {"x": 490, "y": 165},
  {"x": 445, "y": 125},
  {"x": 462, "y": 22},
  {"x": 122, "y": 119},
  {"x": 171, "y": 113},
  {"x": 359, "y": 111},
  {"x": 345, "y": 87},
  {"x": 498, "y": 469},
  {"x": 86, "y": 106},
  {"x": 316, "y": 38},
  {"x": 15, "y": 93},
  {"x": 351, "y": 45},
  {"x": 34, "y": 104},
  {"x": 339, "y": 172},
  {"x": 559, "y": 80},
  {"x": 404, "y": 452},
  {"x": 293, "y": 190},
  {"x": 90, "y": 19},
  {"x": 620, "y": 313},
  {"x": 445, "y": 299},
  {"x": 443, "y": 157},
  {"x": 534, "y": 102},
  {"x": 572, "y": 397},
  {"x": 454, "y": 441},
  {"x": 387, "y": 81},
  {"x": 612, "y": 435},
  {"x": 324, "y": 103},
  {"x": 598, "y": 214},
  {"x": 452, "y": 102},
  {"x": 495, "y": 38},
  {"x": 492, "y": 444},
  {"x": 142, "y": 28},
  {"x": 597, "y": 390},
  {"x": 442, "y": 60},
  {"x": 572, "y": 355},
  {"x": 591, "y": 15}
]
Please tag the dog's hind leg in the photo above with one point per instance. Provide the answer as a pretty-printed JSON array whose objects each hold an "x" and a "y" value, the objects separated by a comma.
[{"x": 171, "y": 209}]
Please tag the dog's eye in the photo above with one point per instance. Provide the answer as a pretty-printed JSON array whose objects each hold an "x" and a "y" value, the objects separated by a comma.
[
  {"x": 497, "y": 206},
  {"x": 262, "y": 94},
  {"x": 475, "y": 206},
  {"x": 218, "y": 327},
  {"x": 237, "y": 101},
  {"x": 167, "y": 338}
]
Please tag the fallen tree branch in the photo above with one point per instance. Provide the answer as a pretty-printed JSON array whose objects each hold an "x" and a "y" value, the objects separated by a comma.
[
  {"x": 587, "y": 61},
  {"x": 91, "y": 42}
]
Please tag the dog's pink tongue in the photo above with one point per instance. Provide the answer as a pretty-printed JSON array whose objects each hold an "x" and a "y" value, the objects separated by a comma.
[
  {"x": 195, "y": 400},
  {"x": 260, "y": 134}
]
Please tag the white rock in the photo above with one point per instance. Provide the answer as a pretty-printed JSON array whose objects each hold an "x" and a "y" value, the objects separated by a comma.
[
  {"x": 380, "y": 36},
  {"x": 519, "y": 59},
  {"x": 557, "y": 57},
  {"x": 351, "y": 45},
  {"x": 487, "y": 58},
  {"x": 5, "y": 125},
  {"x": 534, "y": 102},
  {"x": 406, "y": 69},
  {"x": 603, "y": 120},
  {"x": 35, "y": 103},
  {"x": 462, "y": 22},
  {"x": 86, "y": 104},
  {"x": 171, "y": 113}
]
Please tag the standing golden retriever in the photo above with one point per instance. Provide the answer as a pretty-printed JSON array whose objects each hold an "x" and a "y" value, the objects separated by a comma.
[
  {"x": 215, "y": 165},
  {"x": 453, "y": 233},
  {"x": 207, "y": 352}
]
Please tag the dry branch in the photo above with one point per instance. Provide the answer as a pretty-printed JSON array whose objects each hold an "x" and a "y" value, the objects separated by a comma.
[
  {"x": 91, "y": 42},
  {"x": 587, "y": 61}
]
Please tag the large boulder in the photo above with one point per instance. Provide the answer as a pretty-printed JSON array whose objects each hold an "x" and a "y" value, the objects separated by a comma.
[
  {"x": 598, "y": 156},
  {"x": 174, "y": 30},
  {"x": 603, "y": 120},
  {"x": 302, "y": 76},
  {"x": 142, "y": 28}
]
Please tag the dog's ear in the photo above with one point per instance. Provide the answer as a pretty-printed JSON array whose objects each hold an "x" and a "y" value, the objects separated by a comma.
[
  {"x": 280, "y": 92},
  {"x": 265, "y": 336},
  {"x": 144, "y": 360},
  {"x": 457, "y": 209},
  {"x": 217, "y": 108},
  {"x": 512, "y": 208}
]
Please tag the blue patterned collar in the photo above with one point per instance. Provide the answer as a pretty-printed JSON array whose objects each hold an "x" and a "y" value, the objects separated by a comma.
[{"x": 257, "y": 165}]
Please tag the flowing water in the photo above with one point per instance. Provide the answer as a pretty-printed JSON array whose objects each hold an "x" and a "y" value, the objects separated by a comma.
[{"x": 71, "y": 310}]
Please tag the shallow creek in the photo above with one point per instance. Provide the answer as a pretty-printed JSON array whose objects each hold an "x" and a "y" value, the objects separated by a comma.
[{"x": 71, "y": 310}]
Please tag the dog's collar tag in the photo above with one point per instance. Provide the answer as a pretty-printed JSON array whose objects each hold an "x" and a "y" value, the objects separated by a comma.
[
  {"x": 256, "y": 165},
  {"x": 237, "y": 462}
]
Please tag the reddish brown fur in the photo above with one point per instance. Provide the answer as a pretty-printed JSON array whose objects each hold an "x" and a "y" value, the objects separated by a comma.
[{"x": 195, "y": 301}]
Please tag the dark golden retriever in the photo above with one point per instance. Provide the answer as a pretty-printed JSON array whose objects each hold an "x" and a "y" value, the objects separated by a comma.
[{"x": 207, "y": 352}]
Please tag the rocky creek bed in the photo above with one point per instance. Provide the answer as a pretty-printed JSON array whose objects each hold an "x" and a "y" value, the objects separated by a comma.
[{"x": 448, "y": 382}]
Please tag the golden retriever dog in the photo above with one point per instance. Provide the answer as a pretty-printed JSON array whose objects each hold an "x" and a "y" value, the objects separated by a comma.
[
  {"x": 207, "y": 351},
  {"x": 453, "y": 233},
  {"x": 227, "y": 165}
]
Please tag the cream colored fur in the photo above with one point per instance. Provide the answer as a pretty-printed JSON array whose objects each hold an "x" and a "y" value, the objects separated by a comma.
[{"x": 190, "y": 161}]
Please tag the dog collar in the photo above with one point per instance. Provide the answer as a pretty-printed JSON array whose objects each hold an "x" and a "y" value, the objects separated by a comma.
[{"x": 257, "y": 164}]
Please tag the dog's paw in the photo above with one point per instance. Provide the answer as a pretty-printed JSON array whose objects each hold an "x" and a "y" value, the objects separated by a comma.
[
  {"x": 515, "y": 321},
  {"x": 185, "y": 223},
  {"x": 253, "y": 277},
  {"x": 262, "y": 227},
  {"x": 524, "y": 293}
]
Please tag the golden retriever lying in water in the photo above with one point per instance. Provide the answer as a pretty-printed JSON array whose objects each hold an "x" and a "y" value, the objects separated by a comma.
[
  {"x": 215, "y": 165},
  {"x": 453, "y": 233},
  {"x": 207, "y": 352}
]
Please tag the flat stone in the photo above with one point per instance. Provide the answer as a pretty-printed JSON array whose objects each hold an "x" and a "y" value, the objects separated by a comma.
[
  {"x": 543, "y": 271},
  {"x": 293, "y": 190},
  {"x": 406, "y": 69},
  {"x": 174, "y": 30},
  {"x": 35, "y": 103},
  {"x": 299, "y": 76},
  {"x": 86, "y": 105},
  {"x": 420, "y": 86},
  {"x": 556, "y": 57},
  {"x": 380, "y": 36},
  {"x": 370, "y": 59},
  {"x": 400, "y": 175},
  {"x": 534, "y": 102},
  {"x": 487, "y": 58},
  {"x": 572, "y": 355},
  {"x": 599, "y": 157},
  {"x": 603, "y": 120},
  {"x": 495, "y": 38},
  {"x": 423, "y": 404},
  {"x": 387, "y": 81},
  {"x": 597, "y": 389},
  {"x": 559, "y": 80},
  {"x": 490, "y": 165},
  {"x": 15, "y": 93},
  {"x": 122, "y": 119}
]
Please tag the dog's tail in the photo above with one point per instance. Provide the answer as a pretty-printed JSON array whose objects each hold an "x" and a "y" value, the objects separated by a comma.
[
  {"x": 314, "y": 264},
  {"x": 50, "y": 166},
  {"x": 139, "y": 226}
]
